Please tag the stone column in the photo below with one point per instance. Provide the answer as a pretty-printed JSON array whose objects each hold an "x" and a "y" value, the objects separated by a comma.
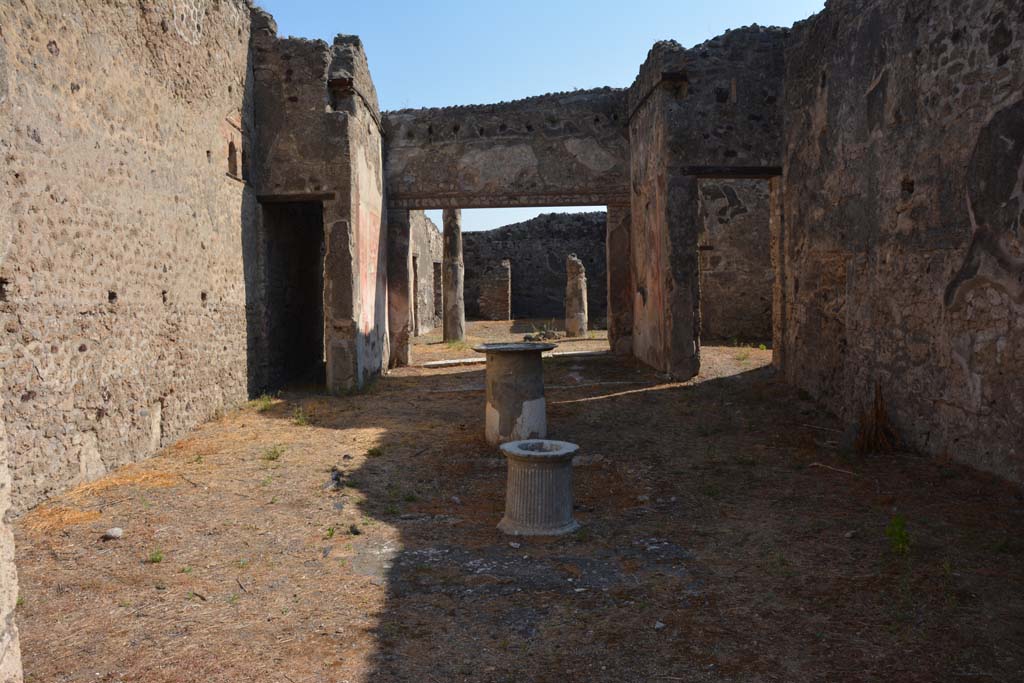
[
  {"x": 620, "y": 280},
  {"x": 454, "y": 272},
  {"x": 400, "y": 288},
  {"x": 575, "y": 297}
]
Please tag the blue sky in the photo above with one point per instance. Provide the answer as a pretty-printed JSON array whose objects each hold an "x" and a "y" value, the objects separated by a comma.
[{"x": 447, "y": 52}]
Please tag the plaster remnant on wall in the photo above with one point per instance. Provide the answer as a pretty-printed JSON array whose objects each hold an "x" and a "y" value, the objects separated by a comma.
[
  {"x": 736, "y": 275},
  {"x": 488, "y": 170},
  {"x": 557, "y": 149},
  {"x": 902, "y": 263},
  {"x": 995, "y": 205},
  {"x": 188, "y": 17},
  {"x": 591, "y": 154}
]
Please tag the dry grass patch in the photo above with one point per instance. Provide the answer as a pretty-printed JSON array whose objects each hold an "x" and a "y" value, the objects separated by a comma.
[
  {"x": 46, "y": 519},
  {"x": 127, "y": 476}
]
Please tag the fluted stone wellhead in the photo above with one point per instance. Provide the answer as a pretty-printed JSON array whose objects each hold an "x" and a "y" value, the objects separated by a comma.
[{"x": 538, "y": 496}]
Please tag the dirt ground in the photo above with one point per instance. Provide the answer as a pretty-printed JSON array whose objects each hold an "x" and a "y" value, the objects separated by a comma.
[{"x": 725, "y": 537}]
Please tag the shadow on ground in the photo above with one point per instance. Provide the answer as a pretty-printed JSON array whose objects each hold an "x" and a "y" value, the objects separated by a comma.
[{"x": 725, "y": 537}]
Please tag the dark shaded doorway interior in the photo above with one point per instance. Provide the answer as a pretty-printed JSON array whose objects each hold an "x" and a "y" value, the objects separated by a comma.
[{"x": 295, "y": 285}]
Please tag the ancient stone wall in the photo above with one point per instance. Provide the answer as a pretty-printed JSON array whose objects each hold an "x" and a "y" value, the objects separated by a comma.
[
  {"x": 902, "y": 247},
  {"x": 552, "y": 150},
  {"x": 122, "y": 296},
  {"x": 619, "y": 263},
  {"x": 426, "y": 254},
  {"x": 736, "y": 274},
  {"x": 319, "y": 138},
  {"x": 711, "y": 111},
  {"x": 10, "y": 651},
  {"x": 537, "y": 249},
  {"x": 494, "y": 301}
]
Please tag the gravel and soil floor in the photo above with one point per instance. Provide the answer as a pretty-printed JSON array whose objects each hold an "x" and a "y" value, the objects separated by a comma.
[{"x": 726, "y": 536}]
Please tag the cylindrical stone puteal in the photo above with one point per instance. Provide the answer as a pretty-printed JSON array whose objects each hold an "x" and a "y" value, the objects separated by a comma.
[{"x": 538, "y": 493}]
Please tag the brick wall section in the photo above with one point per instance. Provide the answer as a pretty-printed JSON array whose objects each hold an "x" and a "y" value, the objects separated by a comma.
[
  {"x": 735, "y": 269},
  {"x": 902, "y": 243},
  {"x": 537, "y": 249},
  {"x": 494, "y": 301},
  {"x": 123, "y": 305}
]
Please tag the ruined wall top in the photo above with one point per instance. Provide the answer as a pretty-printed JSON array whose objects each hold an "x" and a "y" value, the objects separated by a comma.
[
  {"x": 724, "y": 101},
  {"x": 507, "y": 105},
  {"x": 350, "y": 70},
  {"x": 304, "y": 90}
]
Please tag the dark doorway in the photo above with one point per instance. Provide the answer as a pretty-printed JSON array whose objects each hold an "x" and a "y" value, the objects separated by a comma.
[
  {"x": 295, "y": 293},
  {"x": 416, "y": 312}
]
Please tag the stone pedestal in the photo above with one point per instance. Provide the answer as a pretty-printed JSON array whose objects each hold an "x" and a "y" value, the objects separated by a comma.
[
  {"x": 538, "y": 498},
  {"x": 575, "y": 297},
  {"x": 454, "y": 316},
  {"x": 515, "y": 392}
]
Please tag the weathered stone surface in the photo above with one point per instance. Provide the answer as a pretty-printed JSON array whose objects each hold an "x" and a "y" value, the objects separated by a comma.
[
  {"x": 552, "y": 150},
  {"x": 152, "y": 168},
  {"x": 426, "y": 264},
  {"x": 777, "y": 242},
  {"x": 537, "y": 249},
  {"x": 10, "y": 654},
  {"x": 414, "y": 248},
  {"x": 719, "y": 102},
  {"x": 494, "y": 301},
  {"x": 319, "y": 138},
  {"x": 620, "y": 280},
  {"x": 902, "y": 220},
  {"x": 735, "y": 269},
  {"x": 664, "y": 226},
  {"x": 122, "y": 281},
  {"x": 515, "y": 407},
  {"x": 711, "y": 111},
  {"x": 454, "y": 321},
  {"x": 401, "y": 281},
  {"x": 575, "y": 297}
]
